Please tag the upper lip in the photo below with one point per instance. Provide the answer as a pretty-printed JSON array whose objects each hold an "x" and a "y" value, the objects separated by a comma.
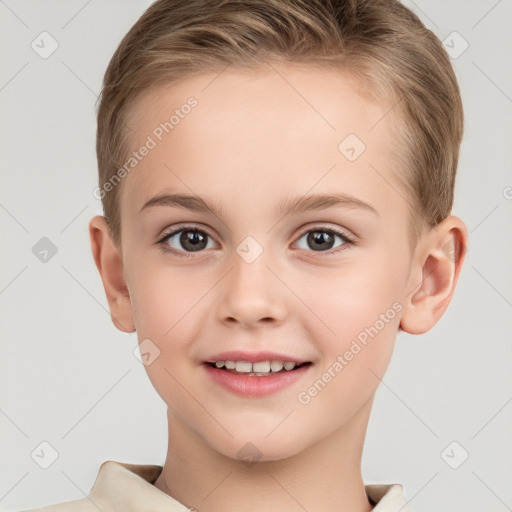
[{"x": 254, "y": 357}]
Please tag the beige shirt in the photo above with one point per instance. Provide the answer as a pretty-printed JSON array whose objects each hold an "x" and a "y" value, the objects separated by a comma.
[{"x": 123, "y": 487}]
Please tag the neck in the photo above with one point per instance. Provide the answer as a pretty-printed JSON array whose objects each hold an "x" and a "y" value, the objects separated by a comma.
[{"x": 324, "y": 477}]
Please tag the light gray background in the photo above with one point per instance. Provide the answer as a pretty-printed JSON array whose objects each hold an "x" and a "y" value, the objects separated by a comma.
[{"x": 69, "y": 378}]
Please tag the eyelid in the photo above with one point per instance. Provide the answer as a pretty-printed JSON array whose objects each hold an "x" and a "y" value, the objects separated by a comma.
[
  {"x": 176, "y": 228},
  {"x": 348, "y": 240},
  {"x": 319, "y": 226}
]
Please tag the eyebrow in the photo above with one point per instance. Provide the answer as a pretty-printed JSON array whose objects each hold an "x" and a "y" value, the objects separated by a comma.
[{"x": 286, "y": 207}]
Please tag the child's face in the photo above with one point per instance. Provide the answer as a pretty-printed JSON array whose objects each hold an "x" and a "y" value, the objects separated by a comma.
[{"x": 253, "y": 142}]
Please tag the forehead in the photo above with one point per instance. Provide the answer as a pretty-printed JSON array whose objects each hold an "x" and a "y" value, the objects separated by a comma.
[{"x": 282, "y": 127}]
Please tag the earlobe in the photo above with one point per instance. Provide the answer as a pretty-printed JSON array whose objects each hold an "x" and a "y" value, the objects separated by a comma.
[
  {"x": 435, "y": 276},
  {"x": 109, "y": 262}
]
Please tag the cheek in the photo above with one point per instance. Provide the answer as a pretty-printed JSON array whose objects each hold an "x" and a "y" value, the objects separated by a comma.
[
  {"x": 166, "y": 306},
  {"x": 163, "y": 298},
  {"x": 355, "y": 324},
  {"x": 342, "y": 302},
  {"x": 355, "y": 358}
]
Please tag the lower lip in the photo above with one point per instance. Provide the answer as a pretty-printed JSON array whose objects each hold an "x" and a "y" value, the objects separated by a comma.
[{"x": 254, "y": 386}]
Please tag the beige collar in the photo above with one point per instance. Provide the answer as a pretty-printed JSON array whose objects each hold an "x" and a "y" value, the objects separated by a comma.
[{"x": 129, "y": 488}]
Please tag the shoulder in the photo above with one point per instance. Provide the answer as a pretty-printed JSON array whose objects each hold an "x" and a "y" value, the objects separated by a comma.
[
  {"x": 117, "y": 484},
  {"x": 387, "y": 497},
  {"x": 83, "y": 505},
  {"x": 86, "y": 504}
]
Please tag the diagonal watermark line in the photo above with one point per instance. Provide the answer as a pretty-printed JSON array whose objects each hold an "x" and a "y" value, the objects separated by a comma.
[
  {"x": 493, "y": 287},
  {"x": 492, "y": 81},
  {"x": 86, "y": 290},
  {"x": 194, "y": 193},
  {"x": 304, "y": 195},
  {"x": 202, "y": 297},
  {"x": 286, "y": 491},
  {"x": 14, "y": 76},
  {"x": 508, "y": 508},
  {"x": 73, "y": 219},
  {"x": 406, "y": 199},
  {"x": 386, "y": 113},
  {"x": 13, "y": 279},
  {"x": 96, "y": 95},
  {"x": 3, "y": 497},
  {"x": 17, "y": 426},
  {"x": 280, "y": 422},
  {"x": 212, "y": 491},
  {"x": 424, "y": 13},
  {"x": 301, "y": 300},
  {"x": 492, "y": 8},
  {"x": 88, "y": 497},
  {"x": 391, "y": 185},
  {"x": 111, "y": 388},
  {"x": 302, "y": 97},
  {"x": 484, "y": 218},
  {"x": 199, "y": 403},
  {"x": 403, "y": 402},
  {"x": 76, "y": 14},
  {"x": 410, "y": 499},
  {"x": 214, "y": 78},
  {"x": 13, "y": 13},
  {"x": 506, "y": 403},
  {"x": 411, "y": 206},
  {"x": 13, "y": 217},
  {"x": 94, "y": 298}
]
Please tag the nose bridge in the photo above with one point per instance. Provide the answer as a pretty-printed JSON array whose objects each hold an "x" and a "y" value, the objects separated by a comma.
[{"x": 251, "y": 292}]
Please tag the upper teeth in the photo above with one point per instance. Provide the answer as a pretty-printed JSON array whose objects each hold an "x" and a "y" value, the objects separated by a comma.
[{"x": 259, "y": 367}]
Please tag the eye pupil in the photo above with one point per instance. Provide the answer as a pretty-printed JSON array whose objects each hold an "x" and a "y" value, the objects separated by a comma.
[
  {"x": 192, "y": 240},
  {"x": 318, "y": 240}
]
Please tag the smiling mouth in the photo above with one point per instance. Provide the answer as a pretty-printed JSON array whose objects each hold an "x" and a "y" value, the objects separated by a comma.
[{"x": 246, "y": 368}]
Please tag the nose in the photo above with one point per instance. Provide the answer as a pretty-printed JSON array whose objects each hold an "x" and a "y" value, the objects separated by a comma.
[{"x": 251, "y": 294}]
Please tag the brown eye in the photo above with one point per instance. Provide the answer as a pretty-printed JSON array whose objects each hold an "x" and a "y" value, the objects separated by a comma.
[
  {"x": 193, "y": 240},
  {"x": 323, "y": 239},
  {"x": 186, "y": 240},
  {"x": 319, "y": 240}
]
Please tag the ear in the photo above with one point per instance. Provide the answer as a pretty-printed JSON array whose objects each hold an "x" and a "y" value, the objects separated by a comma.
[
  {"x": 434, "y": 275},
  {"x": 110, "y": 266}
]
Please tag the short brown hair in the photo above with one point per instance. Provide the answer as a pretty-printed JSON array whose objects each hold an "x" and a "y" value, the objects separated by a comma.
[{"x": 380, "y": 42}]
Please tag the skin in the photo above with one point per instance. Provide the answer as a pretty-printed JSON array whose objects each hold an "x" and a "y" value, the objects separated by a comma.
[{"x": 253, "y": 140}]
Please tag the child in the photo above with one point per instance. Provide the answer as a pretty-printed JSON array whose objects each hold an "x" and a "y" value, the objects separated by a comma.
[{"x": 265, "y": 130}]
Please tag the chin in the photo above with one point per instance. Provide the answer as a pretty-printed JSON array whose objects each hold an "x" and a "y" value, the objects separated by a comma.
[{"x": 258, "y": 448}]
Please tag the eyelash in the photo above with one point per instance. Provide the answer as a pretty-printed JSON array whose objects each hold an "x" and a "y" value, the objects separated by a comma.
[{"x": 184, "y": 254}]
